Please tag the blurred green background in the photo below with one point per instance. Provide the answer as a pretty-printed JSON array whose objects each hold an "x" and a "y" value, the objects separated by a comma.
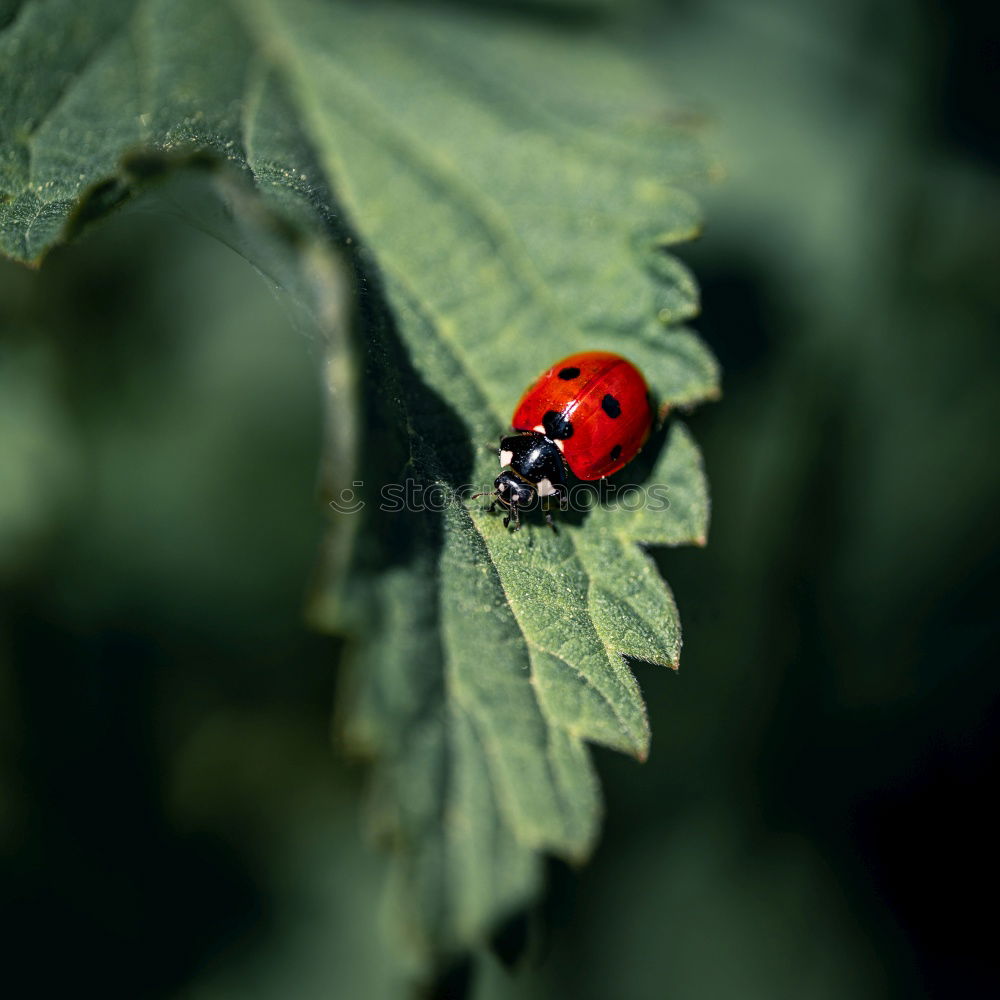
[{"x": 814, "y": 820}]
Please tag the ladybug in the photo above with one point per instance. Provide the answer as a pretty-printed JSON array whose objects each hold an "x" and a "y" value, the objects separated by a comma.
[{"x": 589, "y": 413}]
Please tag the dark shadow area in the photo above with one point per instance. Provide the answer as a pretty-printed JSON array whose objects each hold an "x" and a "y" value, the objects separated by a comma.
[
  {"x": 966, "y": 65},
  {"x": 99, "y": 866},
  {"x": 9, "y": 9}
]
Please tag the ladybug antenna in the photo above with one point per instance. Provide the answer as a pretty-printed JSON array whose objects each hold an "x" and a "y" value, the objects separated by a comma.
[{"x": 489, "y": 493}]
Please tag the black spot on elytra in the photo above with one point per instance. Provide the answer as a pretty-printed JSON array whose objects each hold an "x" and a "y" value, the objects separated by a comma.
[
  {"x": 616, "y": 452},
  {"x": 557, "y": 426},
  {"x": 568, "y": 374},
  {"x": 611, "y": 406}
]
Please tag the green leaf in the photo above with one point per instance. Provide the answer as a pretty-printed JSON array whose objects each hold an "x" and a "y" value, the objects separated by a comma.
[{"x": 504, "y": 191}]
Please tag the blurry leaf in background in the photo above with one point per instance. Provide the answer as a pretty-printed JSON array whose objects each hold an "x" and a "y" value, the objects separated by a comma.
[
  {"x": 165, "y": 589},
  {"x": 150, "y": 448},
  {"x": 37, "y": 452},
  {"x": 722, "y": 918},
  {"x": 232, "y": 775}
]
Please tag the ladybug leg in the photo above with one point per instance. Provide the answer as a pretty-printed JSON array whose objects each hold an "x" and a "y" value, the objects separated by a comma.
[
  {"x": 550, "y": 522},
  {"x": 511, "y": 515}
]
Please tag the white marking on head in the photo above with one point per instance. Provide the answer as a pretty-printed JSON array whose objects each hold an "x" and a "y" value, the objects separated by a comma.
[
  {"x": 559, "y": 444},
  {"x": 506, "y": 457},
  {"x": 545, "y": 488},
  {"x": 540, "y": 428}
]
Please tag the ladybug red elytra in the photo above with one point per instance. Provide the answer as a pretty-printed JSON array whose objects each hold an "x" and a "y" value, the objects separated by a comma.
[{"x": 590, "y": 412}]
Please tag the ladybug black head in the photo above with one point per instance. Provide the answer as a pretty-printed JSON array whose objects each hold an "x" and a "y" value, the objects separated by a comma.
[{"x": 512, "y": 490}]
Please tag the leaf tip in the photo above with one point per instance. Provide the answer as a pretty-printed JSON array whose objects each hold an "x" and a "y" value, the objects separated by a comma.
[{"x": 640, "y": 748}]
